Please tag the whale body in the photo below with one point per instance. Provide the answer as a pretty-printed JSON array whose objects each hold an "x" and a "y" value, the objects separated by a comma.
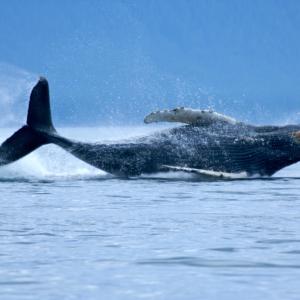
[{"x": 216, "y": 149}]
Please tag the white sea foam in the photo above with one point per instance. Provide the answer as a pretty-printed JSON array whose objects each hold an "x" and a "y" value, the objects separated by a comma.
[{"x": 49, "y": 162}]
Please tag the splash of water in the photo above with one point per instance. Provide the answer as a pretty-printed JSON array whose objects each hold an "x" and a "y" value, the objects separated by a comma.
[
  {"x": 15, "y": 86},
  {"x": 49, "y": 163}
]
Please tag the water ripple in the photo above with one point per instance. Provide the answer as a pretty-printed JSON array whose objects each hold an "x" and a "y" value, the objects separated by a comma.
[{"x": 205, "y": 263}]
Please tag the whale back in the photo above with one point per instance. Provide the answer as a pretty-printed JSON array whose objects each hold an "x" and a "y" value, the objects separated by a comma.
[{"x": 254, "y": 149}]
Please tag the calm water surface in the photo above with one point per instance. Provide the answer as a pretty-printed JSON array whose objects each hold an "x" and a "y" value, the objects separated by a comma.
[{"x": 68, "y": 231}]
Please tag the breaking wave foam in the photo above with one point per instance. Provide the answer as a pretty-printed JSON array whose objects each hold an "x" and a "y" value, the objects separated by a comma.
[{"x": 49, "y": 162}]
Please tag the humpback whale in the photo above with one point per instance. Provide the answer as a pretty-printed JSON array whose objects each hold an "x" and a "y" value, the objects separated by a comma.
[{"x": 208, "y": 144}]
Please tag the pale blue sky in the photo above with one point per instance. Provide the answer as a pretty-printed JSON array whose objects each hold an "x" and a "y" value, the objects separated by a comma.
[{"x": 108, "y": 60}]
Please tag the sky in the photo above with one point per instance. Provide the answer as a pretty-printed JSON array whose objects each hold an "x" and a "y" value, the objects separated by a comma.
[{"x": 112, "y": 62}]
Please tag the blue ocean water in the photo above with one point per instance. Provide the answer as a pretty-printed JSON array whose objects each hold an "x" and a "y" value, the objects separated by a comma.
[{"x": 69, "y": 231}]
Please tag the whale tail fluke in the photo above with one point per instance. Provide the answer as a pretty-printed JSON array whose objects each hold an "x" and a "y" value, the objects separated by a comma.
[
  {"x": 38, "y": 130},
  {"x": 39, "y": 111}
]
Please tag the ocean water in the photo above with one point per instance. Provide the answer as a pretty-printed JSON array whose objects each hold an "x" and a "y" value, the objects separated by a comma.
[{"x": 69, "y": 231}]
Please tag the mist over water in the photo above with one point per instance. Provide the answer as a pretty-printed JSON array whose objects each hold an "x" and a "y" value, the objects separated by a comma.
[{"x": 15, "y": 87}]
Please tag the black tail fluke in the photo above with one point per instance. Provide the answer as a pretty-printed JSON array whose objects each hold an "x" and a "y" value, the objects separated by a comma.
[
  {"x": 39, "y": 112},
  {"x": 21, "y": 143},
  {"x": 35, "y": 133}
]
